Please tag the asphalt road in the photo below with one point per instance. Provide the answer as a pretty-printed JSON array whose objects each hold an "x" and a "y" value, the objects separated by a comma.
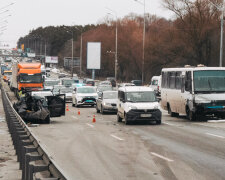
[{"x": 177, "y": 149}]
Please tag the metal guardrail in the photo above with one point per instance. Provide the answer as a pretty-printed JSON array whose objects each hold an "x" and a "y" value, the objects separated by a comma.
[{"x": 33, "y": 158}]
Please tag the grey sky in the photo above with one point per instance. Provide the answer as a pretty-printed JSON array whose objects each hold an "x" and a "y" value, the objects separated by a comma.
[{"x": 30, "y": 14}]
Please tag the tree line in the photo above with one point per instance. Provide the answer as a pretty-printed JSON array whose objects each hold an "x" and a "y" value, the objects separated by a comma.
[{"x": 192, "y": 37}]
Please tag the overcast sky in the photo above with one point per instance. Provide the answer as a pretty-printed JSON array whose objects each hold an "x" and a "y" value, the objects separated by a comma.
[{"x": 30, "y": 14}]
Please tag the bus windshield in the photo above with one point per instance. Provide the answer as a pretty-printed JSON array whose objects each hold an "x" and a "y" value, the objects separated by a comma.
[
  {"x": 31, "y": 78},
  {"x": 209, "y": 81},
  {"x": 146, "y": 96}
]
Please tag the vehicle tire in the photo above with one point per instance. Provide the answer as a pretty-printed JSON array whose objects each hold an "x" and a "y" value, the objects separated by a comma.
[
  {"x": 158, "y": 122},
  {"x": 97, "y": 110},
  {"x": 119, "y": 119},
  {"x": 172, "y": 114},
  {"x": 191, "y": 115},
  {"x": 126, "y": 120},
  {"x": 102, "y": 110}
]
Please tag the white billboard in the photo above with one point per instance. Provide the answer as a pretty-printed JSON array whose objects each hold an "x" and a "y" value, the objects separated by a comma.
[
  {"x": 93, "y": 55},
  {"x": 51, "y": 59}
]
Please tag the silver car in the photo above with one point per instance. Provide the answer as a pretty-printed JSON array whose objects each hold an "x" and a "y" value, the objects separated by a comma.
[{"x": 107, "y": 102}]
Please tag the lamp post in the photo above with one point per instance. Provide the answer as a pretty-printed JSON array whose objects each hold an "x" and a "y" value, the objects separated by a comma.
[
  {"x": 221, "y": 30},
  {"x": 143, "y": 52},
  {"x": 116, "y": 43}
]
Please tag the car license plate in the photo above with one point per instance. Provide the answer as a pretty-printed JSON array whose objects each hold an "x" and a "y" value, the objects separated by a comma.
[{"x": 146, "y": 115}]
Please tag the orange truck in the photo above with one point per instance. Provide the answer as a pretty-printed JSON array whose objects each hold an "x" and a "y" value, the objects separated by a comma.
[{"x": 26, "y": 76}]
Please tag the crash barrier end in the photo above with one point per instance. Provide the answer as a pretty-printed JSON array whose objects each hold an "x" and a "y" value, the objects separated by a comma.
[
  {"x": 93, "y": 120},
  {"x": 28, "y": 149}
]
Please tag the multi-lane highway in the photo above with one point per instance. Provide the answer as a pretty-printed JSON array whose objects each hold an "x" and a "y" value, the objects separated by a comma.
[{"x": 177, "y": 149}]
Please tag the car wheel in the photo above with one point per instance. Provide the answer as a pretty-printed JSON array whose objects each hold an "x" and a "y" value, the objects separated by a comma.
[
  {"x": 126, "y": 120},
  {"x": 119, "y": 119},
  {"x": 102, "y": 110},
  {"x": 97, "y": 110},
  {"x": 158, "y": 122}
]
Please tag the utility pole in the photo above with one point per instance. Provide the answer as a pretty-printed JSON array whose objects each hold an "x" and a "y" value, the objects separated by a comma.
[
  {"x": 81, "y": 42},
  {"x": 72, "y": 54},
  {"x": 221, "y": 36}
]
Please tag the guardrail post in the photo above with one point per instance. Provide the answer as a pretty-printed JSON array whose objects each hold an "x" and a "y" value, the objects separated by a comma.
[{"x": 33, "y": 168}]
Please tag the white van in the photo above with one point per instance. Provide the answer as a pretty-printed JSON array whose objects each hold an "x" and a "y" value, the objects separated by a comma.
[
  {"x": 156, "y": 84},
  {"x": 138, "y": 103}
]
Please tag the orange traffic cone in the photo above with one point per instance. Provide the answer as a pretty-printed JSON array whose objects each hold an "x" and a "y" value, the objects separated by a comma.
[
  {"x": 67, "y": 107},
  {"x": 93, "y": 120},
  {"x": 78, "y": 112}
]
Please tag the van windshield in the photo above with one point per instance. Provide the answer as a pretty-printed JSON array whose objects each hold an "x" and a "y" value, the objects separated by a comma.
[
  {"x": 209, "y": 81},
  {"x": 146, "y": 96}
]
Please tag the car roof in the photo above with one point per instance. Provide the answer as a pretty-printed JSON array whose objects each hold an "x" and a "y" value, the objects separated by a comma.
[{"x": 135, "y": 89}]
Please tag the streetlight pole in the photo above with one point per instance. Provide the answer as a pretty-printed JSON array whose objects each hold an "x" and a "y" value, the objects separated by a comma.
[
  {"x": 143, "y": 53},
  {"x": 221, "y": 36},
  {"x": 116, "y": 43},
  {"x": 81, "y": 42},
  {"x": 72, "y": 54},
  {"x": 221, "y": 28}
]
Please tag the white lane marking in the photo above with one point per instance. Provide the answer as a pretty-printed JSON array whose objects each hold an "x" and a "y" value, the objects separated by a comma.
[
  {"x": 171, "y": 124},
  {"x": 116, "y": 137},
  {"x": 90, "y": 125},
  {"x": 215, "y": 135},
  {"x": 75, "y": 117},
  {"x": 162, "y": 157},
  {"x": 216, "y": 121}
]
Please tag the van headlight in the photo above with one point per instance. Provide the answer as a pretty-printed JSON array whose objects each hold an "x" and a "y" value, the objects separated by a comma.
[{"x": 132, "y": 107}]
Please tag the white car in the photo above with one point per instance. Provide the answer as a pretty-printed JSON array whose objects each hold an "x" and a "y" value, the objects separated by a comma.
[
  {"x": 85, "y": 95},
  {"x": 68, "y": 92},
  {"x": 137, "y": 103}
]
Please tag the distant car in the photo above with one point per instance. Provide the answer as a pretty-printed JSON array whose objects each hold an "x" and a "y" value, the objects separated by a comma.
[
  {"x": 107, "y": 102},
  {"x": 85, "y": 95},
  {"x": 61, "y": 75},
  {"x": 68, "y": 81},
  {"x": 89, "y": 82},
  {"x": 125, "y": 85},
  {"x": 155, "y": 84},
  {"x": 50, "y": 83},
  {"x": 105, "y": 83},
  {"x": 56, "y": 89},
  {"x": 102, "y": 88},
  {"x": 112, "y": 80},
  {"x": 137, "y": 82},
  {"x": 68, "y": 92}
]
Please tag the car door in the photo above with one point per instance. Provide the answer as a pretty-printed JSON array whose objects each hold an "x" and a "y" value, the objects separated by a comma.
[{"x": 56, "y": 105}]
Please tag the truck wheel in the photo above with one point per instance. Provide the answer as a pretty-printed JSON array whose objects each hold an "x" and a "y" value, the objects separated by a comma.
[
  {"x": 119, "y": 119},
  {"x": 172, "y": 114}
]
